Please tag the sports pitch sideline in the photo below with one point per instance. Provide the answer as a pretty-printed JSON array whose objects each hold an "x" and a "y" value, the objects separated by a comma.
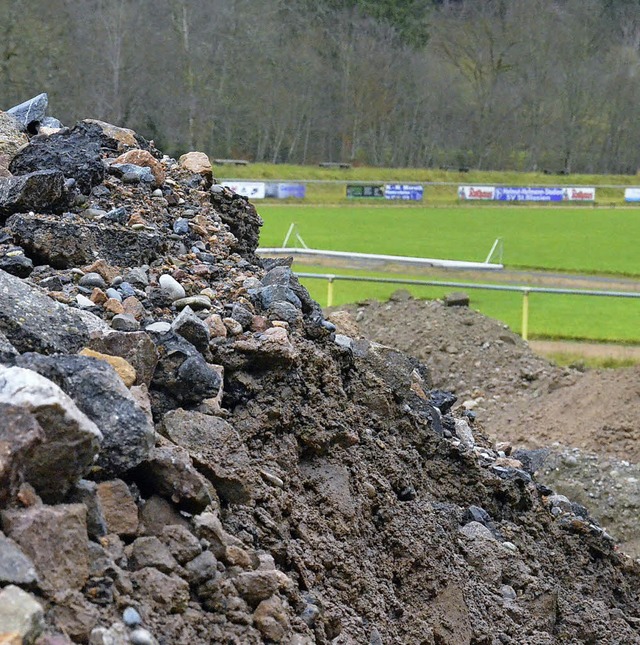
[{"x": 584, "y": 240}]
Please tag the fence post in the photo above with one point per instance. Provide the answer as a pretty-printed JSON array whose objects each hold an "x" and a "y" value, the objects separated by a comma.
[
  {"x": 525, "y": 314},
  {"x": 330, "y": 291}
]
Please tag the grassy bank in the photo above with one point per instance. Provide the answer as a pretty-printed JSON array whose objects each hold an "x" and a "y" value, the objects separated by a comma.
[{"x": 335, "y": 193}]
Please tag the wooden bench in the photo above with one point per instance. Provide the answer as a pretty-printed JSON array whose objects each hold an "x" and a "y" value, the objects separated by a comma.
[
  {"x": 231, "y": 162},
  {"x": 334, "y": 164}
]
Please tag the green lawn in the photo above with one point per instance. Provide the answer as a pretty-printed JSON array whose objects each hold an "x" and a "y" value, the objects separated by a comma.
[
  {"x": 577, "y": 239},
  {"x": 550, "y": 316}
]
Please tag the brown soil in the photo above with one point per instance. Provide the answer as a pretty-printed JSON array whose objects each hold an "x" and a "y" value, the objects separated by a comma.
[{"x": 522, "y": 398}]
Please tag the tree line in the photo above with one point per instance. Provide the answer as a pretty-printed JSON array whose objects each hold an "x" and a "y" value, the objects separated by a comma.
[{"x": 489, "y": 84}]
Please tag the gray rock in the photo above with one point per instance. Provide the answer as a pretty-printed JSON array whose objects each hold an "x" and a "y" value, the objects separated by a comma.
[
  {"x": 171, "y": 287},
  {"x": 195, "y": 302},
  {"x": 51, "y": 122},
  {"x": 131, "y": 173},
  {"x": 242, "y": 315},
  {"x": 36, "y": 191},
  {"x": 84, "y": 302},
  {"x": 131, "y": 617},
  {"x": 15, "y": 262},
  {"x": 117, "y": 634},
  {"x": 125, "y": 322},
  {"x": 202, "y": 567},
  {"x": 284, "y": 311},
  {"x": 114, "y": 293},
  {"x": 126, "y": 289},
  {"x": 142, "y": 637},
  {"x": 159, "y": 327},
  {"x": 182, "y": 375},
  {"x": 86, "y": 492},
  {"x": 477, "y": 531},
  {"x": 192, "y": 328},
  {"x": 278, "y": 293},
  {"x": 30, "y": 111},
  {"x": 181, "y": 226},
  {"x": 93, "y": 280},
  {"x": 68, "y": 243},
  {"x": 135, "y": 347},
  {"x": 464, "y": 433},
  {"x": 137, "y": 277},
  {"x": 76, "y": 153},
  {"x": 15, "y": 567},
  {"x": 21, "y": 613},
  {"x": 7, "y": 351},
  {"x": 99, "y": 392},
  {"x": 71, "y": 440}
]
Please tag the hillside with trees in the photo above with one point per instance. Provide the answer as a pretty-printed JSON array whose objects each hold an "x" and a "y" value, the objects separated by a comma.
[{"x": 498, "y": 84}]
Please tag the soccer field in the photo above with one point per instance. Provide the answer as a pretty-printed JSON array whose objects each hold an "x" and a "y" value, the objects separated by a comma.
[
  {"x": 584, "y": 240},
  {"x": 581, "y": 240}
]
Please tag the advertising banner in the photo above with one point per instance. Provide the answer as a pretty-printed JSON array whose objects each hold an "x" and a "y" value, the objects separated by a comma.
[
  {"x": 529, "y": 194},
  {"x": 580, "y": 194},
  {"x": 286, "y": 191},
  {"x": 412, "y": 192},
  {"x": 632, "y": 195},
  {"x": 476, "y": 192},
  {"x": 364, "y": 190},
  {"x": 250, "y": 189}
]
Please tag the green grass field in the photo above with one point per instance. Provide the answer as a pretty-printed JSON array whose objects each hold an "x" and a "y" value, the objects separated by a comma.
[{"x": 585, "y": 240}]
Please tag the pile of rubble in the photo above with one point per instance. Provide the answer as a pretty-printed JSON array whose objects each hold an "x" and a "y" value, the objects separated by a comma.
[{"x": 190, "y": 453}]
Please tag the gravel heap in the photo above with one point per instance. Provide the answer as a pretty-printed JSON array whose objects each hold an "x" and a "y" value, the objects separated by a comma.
[{"x": 190, "y": 453}]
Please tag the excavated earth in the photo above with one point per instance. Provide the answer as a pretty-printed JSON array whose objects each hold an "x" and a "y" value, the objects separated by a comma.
[
  {"x": 585, "y": 425},
  {"x": 191, "y": 453}
]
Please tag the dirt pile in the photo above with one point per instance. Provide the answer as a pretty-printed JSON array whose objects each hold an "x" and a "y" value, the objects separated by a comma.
[
  {"x": 587, "y": 422},
  {"x": 191, "y": 454}
]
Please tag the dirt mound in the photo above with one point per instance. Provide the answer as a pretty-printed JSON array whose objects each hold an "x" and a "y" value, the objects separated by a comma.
[
  {"x": 192, "y": 454},
  {"x": 523, "y": 399}
]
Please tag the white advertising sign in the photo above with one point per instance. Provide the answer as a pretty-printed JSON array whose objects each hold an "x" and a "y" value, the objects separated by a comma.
[
  {"x": 580, "y": 194},
  {"x": 476, "y": 192},
  {"x": 250, "y": 189},
  {"x": 632, "y": 195}
]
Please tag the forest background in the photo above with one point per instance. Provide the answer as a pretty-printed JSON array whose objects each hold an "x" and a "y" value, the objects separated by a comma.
[{"x": 487, "y": 84}]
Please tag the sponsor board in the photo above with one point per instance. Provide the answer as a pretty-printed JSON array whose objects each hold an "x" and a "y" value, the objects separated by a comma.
[
  {"x": 412, "y": 192},
  {"x": 632, "y": 194},
  {"x": 476, "y": 192},
  {"x": 580, "y": 194},
  {"x": 365, "y": 190},
  {"x": 529, "y": 194},
  {"x": 250, "y": 189},
  {"x": 285, "y": 191}
]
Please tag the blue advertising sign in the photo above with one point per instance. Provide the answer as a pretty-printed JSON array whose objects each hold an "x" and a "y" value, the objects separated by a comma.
[
  {"x": 413, "y": 192},
  {"x": 296, "y": 191},
  {"x": 528, "y": 194}
]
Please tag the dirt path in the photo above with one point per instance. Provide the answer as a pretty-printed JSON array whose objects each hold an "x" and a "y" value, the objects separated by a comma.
[{"x": 586, "y": 350}]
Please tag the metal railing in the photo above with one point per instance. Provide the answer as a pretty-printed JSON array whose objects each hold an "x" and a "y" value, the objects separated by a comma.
[{"x": 524, "y": 290}]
